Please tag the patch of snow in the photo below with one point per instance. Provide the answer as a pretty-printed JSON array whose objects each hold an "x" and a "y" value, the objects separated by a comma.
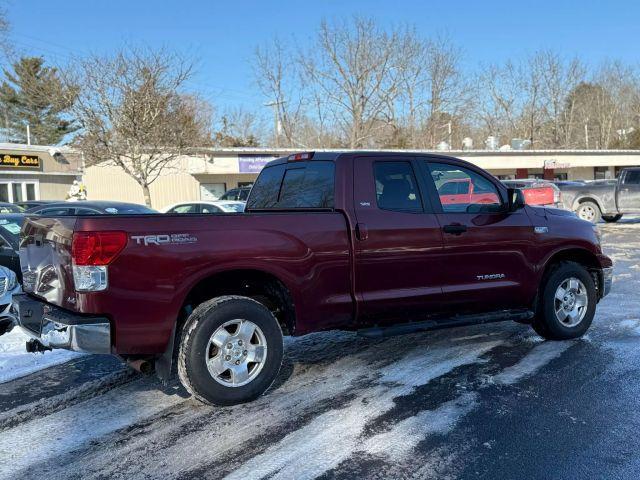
[
  {"x": 400, "y": 441},
  {"x": 533, "y": 361},
  {"x": 334, "y": 436},
  {"x": 15, "y": 362},
  {"x": 51, "y": 436}
]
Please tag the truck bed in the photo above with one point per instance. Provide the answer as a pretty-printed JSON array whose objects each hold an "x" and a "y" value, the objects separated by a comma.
[{"x": 166, "y": 256}]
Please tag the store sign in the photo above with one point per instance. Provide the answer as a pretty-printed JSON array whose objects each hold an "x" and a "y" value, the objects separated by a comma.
[
  {"x": 253, "y": 163},
  {"x": 554, "y": 164},
  {"x": 20, "y": 161}
]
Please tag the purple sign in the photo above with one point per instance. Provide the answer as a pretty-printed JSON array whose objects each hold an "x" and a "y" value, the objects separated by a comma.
[{"x": 253, "y": 163}]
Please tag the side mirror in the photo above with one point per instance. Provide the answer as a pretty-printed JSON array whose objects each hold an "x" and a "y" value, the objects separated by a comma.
[{"x": 516, "y": 199}]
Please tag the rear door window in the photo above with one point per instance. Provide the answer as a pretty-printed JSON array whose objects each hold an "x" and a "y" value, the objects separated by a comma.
[
  {"x": 291, "y": 186},
  {"x": 396, "y": 187}
]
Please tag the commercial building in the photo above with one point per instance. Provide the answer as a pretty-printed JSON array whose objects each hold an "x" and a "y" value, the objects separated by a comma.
[
  {"x": 43, "y": 172},
  {"x": 29, "y": 172},
  {"x": 209, "y": 173}
]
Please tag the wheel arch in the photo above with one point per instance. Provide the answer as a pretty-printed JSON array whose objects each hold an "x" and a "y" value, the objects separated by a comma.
[
  {"x": 263, "y": 286},
  {"x": 578, "y": 255},
  {"x": 588, "y": 198}
]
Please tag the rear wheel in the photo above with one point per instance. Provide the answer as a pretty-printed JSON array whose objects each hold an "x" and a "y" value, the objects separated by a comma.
[
  {"x": 567, "y": 303},
  {"x": 231, "y": 351},
  {"x": 611, "y": 218},
  {"x": 589, "y": 211}
]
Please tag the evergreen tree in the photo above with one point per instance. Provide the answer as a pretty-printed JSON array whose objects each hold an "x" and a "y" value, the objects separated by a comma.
[{"x": 33, "y": 94}]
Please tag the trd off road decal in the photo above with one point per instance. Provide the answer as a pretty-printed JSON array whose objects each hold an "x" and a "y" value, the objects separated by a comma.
[{"x": 164, "y": 239}]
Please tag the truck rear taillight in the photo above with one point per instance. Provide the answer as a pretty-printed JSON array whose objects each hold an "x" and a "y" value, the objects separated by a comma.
[
  {"x": 96, "y": 248},
  {"x": 557, "y": 196},
  {"x": 91, "y": 252}
]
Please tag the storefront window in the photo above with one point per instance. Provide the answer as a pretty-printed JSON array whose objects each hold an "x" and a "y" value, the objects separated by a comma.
[
  {"x": 601, "y": 173},
  {"x": 18, "y": 191}
]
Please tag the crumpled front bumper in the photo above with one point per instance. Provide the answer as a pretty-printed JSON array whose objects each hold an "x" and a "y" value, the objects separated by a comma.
[{"x": 54, "y": 327}]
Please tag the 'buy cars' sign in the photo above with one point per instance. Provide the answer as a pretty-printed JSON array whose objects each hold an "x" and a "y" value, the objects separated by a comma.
[{"x": 20, "y": 161}]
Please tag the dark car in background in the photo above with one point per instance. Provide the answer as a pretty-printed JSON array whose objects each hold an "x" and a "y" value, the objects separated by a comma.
[
  {"x": 83, "y": 207},
  {"x": 537, "y": 192},
  {"x": 240, "y": 193},
  {"x": 604, "y": 199},
  {"x": 10, "y": 225}
]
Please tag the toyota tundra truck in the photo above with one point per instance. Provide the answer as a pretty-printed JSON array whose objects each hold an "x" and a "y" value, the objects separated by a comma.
[{"x": 353, "y": 241}]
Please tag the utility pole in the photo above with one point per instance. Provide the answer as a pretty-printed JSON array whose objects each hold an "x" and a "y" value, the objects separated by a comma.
[
  {"x": 586, "y": 134},
  {"x": 28, "y": 135},
  {"x": 277, "y": 126}
]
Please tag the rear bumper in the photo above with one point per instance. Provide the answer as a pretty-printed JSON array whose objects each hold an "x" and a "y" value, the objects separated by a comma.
[{"x": 57, "y": 328}]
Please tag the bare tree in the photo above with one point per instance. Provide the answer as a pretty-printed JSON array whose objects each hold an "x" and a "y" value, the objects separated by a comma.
[
  {"x": 238, "y": 127},
  {"x": 278, "y": 76},
  {"x": 558, "y": 78},
  {"x": 353, "y": 67},
  {"x": 134, "y": 114}
]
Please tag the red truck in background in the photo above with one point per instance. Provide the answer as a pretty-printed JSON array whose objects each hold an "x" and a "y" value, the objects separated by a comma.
[
  {"x": 462, "y": 191},
  {"x": 538, "y": 192},
  {"x": 357, "y": 241}
]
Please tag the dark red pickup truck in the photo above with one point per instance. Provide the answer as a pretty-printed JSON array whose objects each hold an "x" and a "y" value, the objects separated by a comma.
[{"x": 357, "y": 241}]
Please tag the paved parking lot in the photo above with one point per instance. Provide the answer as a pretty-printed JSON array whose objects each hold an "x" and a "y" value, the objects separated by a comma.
[{"x": 491, "y": 401}]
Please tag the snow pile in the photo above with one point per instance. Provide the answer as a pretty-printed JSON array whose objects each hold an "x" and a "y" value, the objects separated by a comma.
[{"x": 15, "y": 362}]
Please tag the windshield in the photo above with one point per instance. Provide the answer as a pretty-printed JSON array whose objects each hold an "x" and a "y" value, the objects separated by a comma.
[
  {"x": 10, "y": 230},
  {"x": 8, "y": 208}
]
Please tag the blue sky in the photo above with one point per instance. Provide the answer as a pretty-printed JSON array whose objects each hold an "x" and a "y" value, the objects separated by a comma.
[{"x": 224, "y": 34}]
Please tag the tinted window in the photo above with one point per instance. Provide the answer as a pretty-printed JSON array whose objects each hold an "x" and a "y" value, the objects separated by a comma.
[
  {"x": 303, "y": 185},
  {"x": 54, "y": 212},
  {"x": 230, "y": 195},
  {"x": 478, "y": 194},
  {"x": 265, "y": 193},
  {"x": 396, "y": 187},
  {"x": 86, "y": 211},
  {"x": 632, "y": 177}
]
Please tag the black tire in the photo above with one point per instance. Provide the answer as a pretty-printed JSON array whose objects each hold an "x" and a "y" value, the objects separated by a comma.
[
  {"x": 545, "y": 323},
  {"x": 194, "y": 347},
  {"x": 589, "y": 211},
  {"x": 611, "y": 218}
]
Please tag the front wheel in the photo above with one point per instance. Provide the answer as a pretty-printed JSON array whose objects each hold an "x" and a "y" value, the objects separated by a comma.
[
  {"x": 589, "y": 211},
  {"x": 231, "y": 351},
  {"x": 567, "y": 304},
  {"x": 611, "y": 218}
]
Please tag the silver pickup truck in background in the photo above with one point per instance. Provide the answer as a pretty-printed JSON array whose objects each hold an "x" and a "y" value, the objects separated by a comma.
[{"x": 604, "y": 199}]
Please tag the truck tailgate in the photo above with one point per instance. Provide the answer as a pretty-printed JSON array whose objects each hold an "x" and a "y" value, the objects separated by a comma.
[{"x": 45, "y": 259}]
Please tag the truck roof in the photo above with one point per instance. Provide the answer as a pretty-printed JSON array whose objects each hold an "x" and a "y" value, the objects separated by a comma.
[{"x": 335, "y": 155}]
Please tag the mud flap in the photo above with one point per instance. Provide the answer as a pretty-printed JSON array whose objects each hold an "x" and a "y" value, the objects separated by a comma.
[{"x": 164, "y": 364}]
